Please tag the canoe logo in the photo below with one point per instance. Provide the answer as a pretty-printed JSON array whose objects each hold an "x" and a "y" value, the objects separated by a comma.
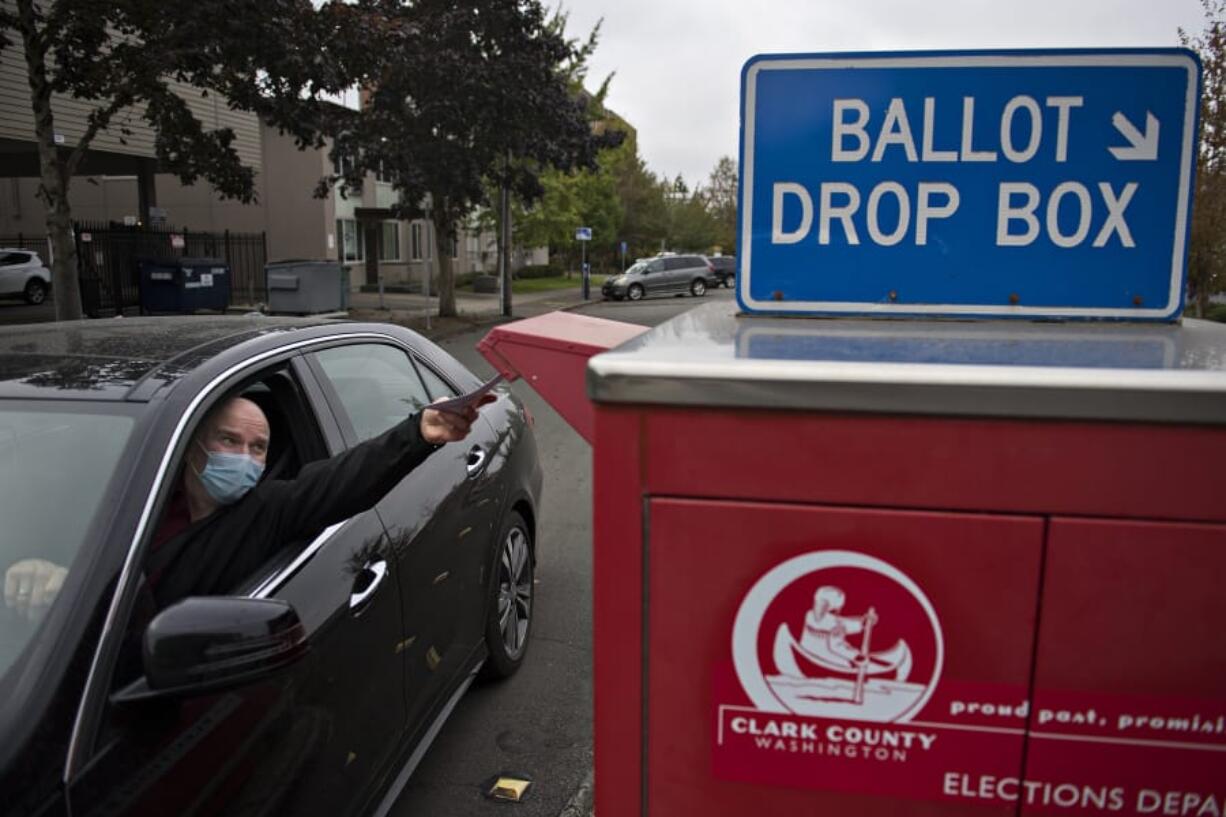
[{"x": 838, "y": 634}]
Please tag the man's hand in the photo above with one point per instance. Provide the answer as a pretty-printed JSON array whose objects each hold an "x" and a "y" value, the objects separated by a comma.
[
  {"x": 438, "y": 427},
  {"x": 31, "y": 585}
]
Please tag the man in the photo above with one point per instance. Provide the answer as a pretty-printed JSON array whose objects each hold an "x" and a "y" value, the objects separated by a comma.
[{"x": 224, "y": 523}]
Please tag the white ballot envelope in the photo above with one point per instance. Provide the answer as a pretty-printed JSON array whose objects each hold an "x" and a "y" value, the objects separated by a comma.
[{"x": 457, "y": 405}]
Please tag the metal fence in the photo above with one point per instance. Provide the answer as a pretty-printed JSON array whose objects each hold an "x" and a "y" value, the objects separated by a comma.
[
  {"x": 33, "y": 243},
  {"x": 107, "y": 256}
]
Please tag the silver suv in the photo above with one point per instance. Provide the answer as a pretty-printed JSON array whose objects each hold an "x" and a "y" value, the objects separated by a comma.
[
  {"x": 662, "y": 275},
  {"x": 22, "y": 273}
]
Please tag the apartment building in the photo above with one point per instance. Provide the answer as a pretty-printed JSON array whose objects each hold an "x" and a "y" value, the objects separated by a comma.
[{"x": 119, "y": 182}]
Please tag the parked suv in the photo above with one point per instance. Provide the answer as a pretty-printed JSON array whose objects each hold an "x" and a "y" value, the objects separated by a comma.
[
  {"x": 725, "y": 268},
  {"x": 662, "y": 275},
  {"x": 22, "y": 273}
]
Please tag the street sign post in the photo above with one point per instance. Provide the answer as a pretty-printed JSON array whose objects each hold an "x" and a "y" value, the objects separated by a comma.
[
  {"x": 584, "y": 235},
  {"x": 968, "y": 184}
]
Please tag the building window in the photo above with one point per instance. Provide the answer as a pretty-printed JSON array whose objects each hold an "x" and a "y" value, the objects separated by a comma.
[
  {"x": 381, "y": 174},
  {"x": 455, "y": 246},
  {"x": 342, "y": 163},
  {"x": 389, "y": 247},
  {"x": 419, "y": 240},
  {"x": 352, "y": 244}
]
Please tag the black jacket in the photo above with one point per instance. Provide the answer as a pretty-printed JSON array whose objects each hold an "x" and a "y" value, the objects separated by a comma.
[{"x": 217, "y": 553}]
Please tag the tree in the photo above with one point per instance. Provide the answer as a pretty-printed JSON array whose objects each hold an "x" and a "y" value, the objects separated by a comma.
[
  {"x": 580, "y": 198},
  {"x": 721, "y": 202},
  {"x": 1207, "y": 250},
  {"x": 690, "y": 224},
  {"x": 275, "y": 58},
  {"x": 641, "y": 194},
  {"x": 468, "y": 91}
]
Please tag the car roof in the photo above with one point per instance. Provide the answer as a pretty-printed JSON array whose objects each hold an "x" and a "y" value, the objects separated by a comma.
[{"x": 106, "y": 359}]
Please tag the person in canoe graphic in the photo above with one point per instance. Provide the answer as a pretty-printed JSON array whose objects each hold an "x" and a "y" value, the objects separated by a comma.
[{"x": 825, "y": 646}]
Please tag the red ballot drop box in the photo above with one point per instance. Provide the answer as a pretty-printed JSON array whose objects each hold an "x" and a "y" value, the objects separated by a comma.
[{"x": 865, "y": 568}]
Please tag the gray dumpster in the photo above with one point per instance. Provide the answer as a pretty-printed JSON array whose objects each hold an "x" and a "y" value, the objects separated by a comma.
[{"x": 307, "y": 286}]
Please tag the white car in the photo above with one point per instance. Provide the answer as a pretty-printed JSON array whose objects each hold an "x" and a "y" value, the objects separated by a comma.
[{"x": 22, "y": 273}]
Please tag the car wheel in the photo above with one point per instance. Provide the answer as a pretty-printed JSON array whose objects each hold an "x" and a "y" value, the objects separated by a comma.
[
  {"x": 698, "y": 288},
  {"x": 509, "y": 621},
  {"x": 635, "y": 293},
  {"x": 35, "y": 291}
]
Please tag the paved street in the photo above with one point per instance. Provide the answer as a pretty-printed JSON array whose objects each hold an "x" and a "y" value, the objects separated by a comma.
[
  {"x": 538, "y": 723},
  {"x": 15, "y": 310}
]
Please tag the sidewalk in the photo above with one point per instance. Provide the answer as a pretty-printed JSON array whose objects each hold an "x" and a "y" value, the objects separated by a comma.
[
  {"x": 467, "y": 303},
  {"x": 404, "y": 309},
  {"x": 474, "y": 310}
]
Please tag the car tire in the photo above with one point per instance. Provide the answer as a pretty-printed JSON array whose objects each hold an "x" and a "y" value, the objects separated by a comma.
[
  {"x": 635, "y": 293},
  {"x": 698, "y": 288},
  {"x": 511, "y": 602},
  {"x": 35, "y": 292}
]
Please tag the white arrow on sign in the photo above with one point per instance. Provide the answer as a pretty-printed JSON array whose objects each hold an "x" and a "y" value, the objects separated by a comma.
[{"x": 1144, "y": 147}]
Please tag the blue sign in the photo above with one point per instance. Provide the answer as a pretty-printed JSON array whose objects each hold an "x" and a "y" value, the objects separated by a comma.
[
  {"x": 1045, "y": 184},
  {"x": 583, "y": 233}
]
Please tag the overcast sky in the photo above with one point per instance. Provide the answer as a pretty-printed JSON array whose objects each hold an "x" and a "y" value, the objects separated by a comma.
[{"x": 678, "y": 62}]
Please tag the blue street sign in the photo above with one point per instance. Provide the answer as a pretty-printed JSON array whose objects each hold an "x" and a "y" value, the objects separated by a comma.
[
  {"x": 583, "y": 233},
  {"x": 1042, "y": 184}
]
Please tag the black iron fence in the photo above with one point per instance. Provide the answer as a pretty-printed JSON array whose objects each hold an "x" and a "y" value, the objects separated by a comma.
[
  {"x": 108, "y": 256},
  {"x": 33, "y": 243}
]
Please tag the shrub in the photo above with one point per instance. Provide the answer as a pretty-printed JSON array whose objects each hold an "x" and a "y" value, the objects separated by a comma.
[
  {"x": 539, "y": 271},
  {"x": 1216, "y": 312}
]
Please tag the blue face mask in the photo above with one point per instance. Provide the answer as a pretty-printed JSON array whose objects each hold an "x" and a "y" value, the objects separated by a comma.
[{"x": 227, "y": 477}]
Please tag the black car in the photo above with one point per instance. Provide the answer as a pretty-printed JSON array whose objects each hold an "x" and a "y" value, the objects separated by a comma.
[
  {"x": 725, "y": 268},
  {"x": 315, "y": 684}
]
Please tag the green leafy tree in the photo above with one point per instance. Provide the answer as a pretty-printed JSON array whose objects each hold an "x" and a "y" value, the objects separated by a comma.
[
  {"x": 467, "y": 91},
  {"x": 644, "y": 208},
  {"x": 582, "y": 198},
  {"x": 552, "y": 221},
  {"x": 691, "y": 225},
  {"x": 276, "y": 58},
  {"x": 720, "y": 195},
  {"x": 1207, "y": 250}
]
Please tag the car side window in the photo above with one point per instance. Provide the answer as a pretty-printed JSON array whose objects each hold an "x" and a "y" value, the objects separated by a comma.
[
  {"x": 377, "y": 385},
  {"x": 13, "y": 259},
  {"x": 435, "y": 385},
  {"x": 655, "y": 266},
  {"x": 293, "y": 440},
  {"x": 675, "y": 263}
]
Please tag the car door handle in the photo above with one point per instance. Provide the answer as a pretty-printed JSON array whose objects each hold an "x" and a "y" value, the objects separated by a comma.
[
  {"x": 476, "y": 459},
  {"x": 372, "y": 575}
]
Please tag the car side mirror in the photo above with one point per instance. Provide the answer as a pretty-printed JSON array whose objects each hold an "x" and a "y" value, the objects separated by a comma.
[{"x": 201, "y": 645}]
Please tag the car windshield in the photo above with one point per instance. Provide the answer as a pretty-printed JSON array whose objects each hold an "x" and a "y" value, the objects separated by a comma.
[
  {"x": 637, "y": 268},
  {"x": 56, "y": 463}
]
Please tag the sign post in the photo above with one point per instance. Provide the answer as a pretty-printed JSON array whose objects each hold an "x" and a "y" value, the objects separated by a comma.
[
  {"x": 584, "y": 235},
  {"x": 1050, "y": 185},
  {"x": 623, "y": 256}
]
